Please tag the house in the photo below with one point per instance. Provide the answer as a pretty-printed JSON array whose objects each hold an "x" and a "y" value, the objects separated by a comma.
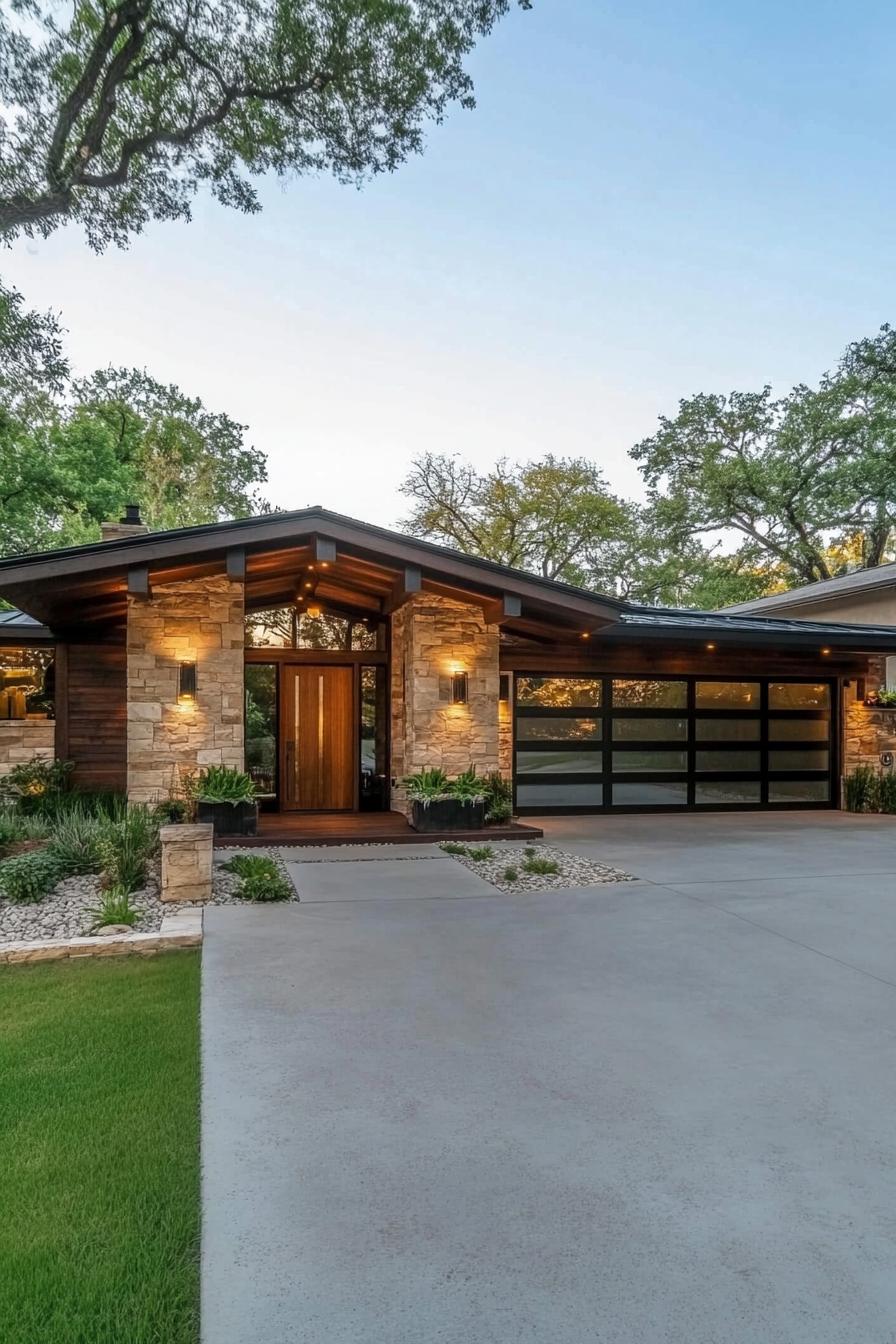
[
  {"x": 332, "y": 658},
  {"x": 865, "y": 596}
]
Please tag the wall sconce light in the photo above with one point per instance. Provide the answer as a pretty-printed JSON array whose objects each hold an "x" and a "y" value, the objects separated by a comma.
[
  {"x": 186, "y": 684},
  {"x": 459, "y": 688},
  {"x": 314, "y": 610},
  {"x": 504, "y": 687}
]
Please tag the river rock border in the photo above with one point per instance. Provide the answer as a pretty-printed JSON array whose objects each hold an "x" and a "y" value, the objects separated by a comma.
[
  {"x": 575, "y": 871},
  {"x": 180, "y": 928}
]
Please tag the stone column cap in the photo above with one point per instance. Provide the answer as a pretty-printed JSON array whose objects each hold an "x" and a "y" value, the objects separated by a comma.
[{"x": 200, "y": 830}]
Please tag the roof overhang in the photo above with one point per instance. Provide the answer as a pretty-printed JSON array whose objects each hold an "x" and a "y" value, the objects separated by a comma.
[{"x": 352, "y": 566}]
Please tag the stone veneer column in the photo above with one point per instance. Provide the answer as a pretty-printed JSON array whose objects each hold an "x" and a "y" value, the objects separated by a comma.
[
  {"x": 867, "y": 730},
  {"x": 433, "y": 637},
  {"x": 198, "y": 621}
]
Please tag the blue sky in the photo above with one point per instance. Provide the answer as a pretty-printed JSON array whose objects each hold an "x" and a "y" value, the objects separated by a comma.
[{"x": 649, "y": 201}]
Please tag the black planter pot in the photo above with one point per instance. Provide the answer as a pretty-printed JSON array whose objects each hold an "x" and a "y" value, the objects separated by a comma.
[
  {"x": 448, "y": 814},
  {"x": 229, "y": 818}
]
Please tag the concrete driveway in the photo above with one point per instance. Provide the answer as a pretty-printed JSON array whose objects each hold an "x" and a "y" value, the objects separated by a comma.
[{"x": 660, "y": 1112}]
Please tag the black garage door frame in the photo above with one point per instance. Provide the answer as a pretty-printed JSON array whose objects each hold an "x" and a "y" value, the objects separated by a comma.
[{"x": 604, "y": 746}]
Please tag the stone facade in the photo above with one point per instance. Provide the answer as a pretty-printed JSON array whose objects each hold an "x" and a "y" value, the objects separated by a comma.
[
  {"x": 505, "y": 733},
  {"x": 22, "y": 740},
  {"x": 200, "y": 621},
  {"x": 867, "y": 730},
  {"x": 186, "y": 863},
  {"x": 432, "y": 638}
]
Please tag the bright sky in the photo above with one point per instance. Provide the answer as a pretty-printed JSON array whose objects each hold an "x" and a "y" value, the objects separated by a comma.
[{"x": 649, "y": 201}]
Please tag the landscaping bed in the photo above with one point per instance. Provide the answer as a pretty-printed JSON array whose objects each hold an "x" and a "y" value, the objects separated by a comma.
[
  {"x": 516, "y": 868},
  {"x": 99, "y": 1181}
]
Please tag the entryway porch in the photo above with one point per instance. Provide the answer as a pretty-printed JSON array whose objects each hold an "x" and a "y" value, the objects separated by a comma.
[{"x": 364, "y": 828}]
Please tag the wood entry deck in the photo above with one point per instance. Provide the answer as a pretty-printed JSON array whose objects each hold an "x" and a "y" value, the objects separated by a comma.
[{"x": 360, "y": 828}]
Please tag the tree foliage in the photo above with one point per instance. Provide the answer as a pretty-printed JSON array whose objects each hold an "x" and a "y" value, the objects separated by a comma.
[
  {"x": 73, "y": 453},
  {"x": 120, "y": 114},
  {"x": 806, "y": 479}
]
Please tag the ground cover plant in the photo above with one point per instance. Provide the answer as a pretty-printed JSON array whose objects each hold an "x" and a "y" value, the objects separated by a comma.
[
  {"x": 99, "y": 1181},
  {"x": 867, "y": 790},
  {"x": 261, "y": 878}
]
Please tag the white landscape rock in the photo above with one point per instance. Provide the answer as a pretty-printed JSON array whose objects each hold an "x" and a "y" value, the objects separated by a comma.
[{"x": 574, "y": 870}]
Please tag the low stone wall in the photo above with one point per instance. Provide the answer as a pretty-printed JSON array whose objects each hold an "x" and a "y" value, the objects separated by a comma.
[
  {"x": 186, "y": 863},
  {"x": 182, "y": 928},
  {"x": 23, "y": 739}
]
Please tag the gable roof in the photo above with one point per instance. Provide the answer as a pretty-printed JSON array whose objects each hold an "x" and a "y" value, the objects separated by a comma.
[
  {"x": 844, "y": 585},
  {"x": 15, "y": 624}
]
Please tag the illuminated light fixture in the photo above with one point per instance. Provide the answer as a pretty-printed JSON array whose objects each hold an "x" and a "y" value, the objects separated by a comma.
[
  {"x": 459, "y": 688},
  {"x": 186, "y": 684},
  {"x": 325, "y": 564},
  {"x": 314, "y": 610},
  {"x": 308, "y": 583},
  {"x": 825, "y": 652},
  {"x": 504, "y": 687},
  {"x": 586, "y": 634},
  {"x": 710, "y": 647}
]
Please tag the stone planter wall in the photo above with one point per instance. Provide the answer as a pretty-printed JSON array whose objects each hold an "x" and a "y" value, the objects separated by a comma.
[
  {"x": 199, "y": 621},
  {"x": 23, "y": 739},
  {"x": 433, "y": 637}
]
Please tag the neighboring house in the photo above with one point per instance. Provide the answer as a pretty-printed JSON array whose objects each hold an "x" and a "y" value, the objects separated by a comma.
[
  {"x": 332, "y": 658},
  {"x": 864, "y": 597}
]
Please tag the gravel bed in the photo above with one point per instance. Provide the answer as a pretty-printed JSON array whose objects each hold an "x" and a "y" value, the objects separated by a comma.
[
  {"x": 574, "y": 870},
  {"x": 65, "y": 911},
  {"x": 224, "y": 884}
]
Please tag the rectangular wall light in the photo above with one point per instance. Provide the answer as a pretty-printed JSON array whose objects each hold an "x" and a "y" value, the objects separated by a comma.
[
  {"x": 186, "y": 683},
  {"x": 459, "y": 688}
]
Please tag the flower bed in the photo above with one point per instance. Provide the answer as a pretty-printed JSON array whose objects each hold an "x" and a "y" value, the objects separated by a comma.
[{"x": 517, "y": 868}]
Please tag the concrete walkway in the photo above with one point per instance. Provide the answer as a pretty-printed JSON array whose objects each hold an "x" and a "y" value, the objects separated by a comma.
[{"x": 652, "y": 1113}]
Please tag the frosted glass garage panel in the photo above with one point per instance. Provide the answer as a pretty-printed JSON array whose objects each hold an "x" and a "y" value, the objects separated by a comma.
[
  {"x": 784, "y": 762},
  {"x": 559, "y": 762},
  {"x": 631, "y": 693},
  {"x": 799, "y": 695},
  {"x": 662, "y": 793},
  {"x": 647, "y": 729},
  {"x": 645, "y": 762},
  {"x": 558, "y": 692},
  {"x": 798, "y": 730},
  {"x": 549, "y": 728},
  {"x": 727, "y": 695},
  {"x": 727, "y": 730},
  {"x": 707, "y": 761},
  {"x": 712, "y": 793},
  {"x": 799, "y": 791},
  {"x": 544, "y": 794}
]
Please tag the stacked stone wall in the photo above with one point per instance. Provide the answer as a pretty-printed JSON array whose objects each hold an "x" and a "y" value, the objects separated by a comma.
[
  {"x": 198, "y": 621},
  {"x": 22, "y": 740},
  {"x": 868, "y": 730}
]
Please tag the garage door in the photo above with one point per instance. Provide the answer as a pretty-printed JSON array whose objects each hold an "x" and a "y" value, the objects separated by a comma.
[{"x": 592, "y": 743}]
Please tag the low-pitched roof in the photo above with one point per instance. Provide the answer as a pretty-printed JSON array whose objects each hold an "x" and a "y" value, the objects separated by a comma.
[
  {"x": 15, "y": 624},
  {"x": 368, "y": 570},
  {"x": 844, "y": 585}
]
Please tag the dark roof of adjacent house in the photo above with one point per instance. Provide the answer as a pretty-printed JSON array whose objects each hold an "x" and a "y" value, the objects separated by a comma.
[
  {"x": 370, "y": 569},
  {"x": 824, "y": 590}
]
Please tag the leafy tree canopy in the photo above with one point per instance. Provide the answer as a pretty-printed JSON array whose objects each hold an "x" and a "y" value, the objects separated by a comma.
[
  {"x": 808, "y": 480},
  {"x": 74, "y": 453},
  {"x": 122, "y": 113}
]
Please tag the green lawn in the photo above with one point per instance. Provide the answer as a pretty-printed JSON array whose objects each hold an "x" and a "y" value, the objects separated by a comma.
[{"x": 99, "y": 1151}]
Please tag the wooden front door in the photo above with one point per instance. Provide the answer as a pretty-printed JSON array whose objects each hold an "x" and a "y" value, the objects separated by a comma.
[{"x": 318, "y": 738}]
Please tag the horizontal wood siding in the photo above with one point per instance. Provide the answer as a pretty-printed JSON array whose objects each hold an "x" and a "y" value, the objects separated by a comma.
[{"x": 92, "y": 713}]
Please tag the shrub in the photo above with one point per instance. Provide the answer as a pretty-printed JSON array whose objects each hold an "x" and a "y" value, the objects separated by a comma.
[
  {"x": 172, "y": 811},
  {"x": 498, "y": 799},
  {"x": 511, "y": 874},
  {"x": 860, "y": 789},
  {"x": 76, "y": 841},
  {"x": 452, "y": 847},
  {"x": 427, "y": 786},
  {"x": 262, "y": 879},
  {"x": 16, "y": 827},
  {"x": 543, "y": 867},
  {"x": 468, "y": 786},
  {"x": 114, "y": 908},
  {"x": 886, "y": 792},
  {"x": 126, "y": 847},
  {"x": 26, "y": 878},
  {"x": 34, "y": 783},
  {"x": 480, "y": 853},
  {"x": 223, "y": 784}
]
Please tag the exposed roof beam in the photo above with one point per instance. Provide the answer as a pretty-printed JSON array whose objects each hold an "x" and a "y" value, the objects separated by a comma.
[
  {"x": 236, "y": 563},
  {"x": 504, "y": 608},
  {"x": 138, "y": 581},
  {"x": 409, "y": 582},
  {"x": 324, "y": 550}
]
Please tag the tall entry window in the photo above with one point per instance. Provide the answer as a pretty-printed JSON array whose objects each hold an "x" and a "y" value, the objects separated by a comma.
[
  {"x": 608, "y": 743},
  {"x": 261, "y": 727}
]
